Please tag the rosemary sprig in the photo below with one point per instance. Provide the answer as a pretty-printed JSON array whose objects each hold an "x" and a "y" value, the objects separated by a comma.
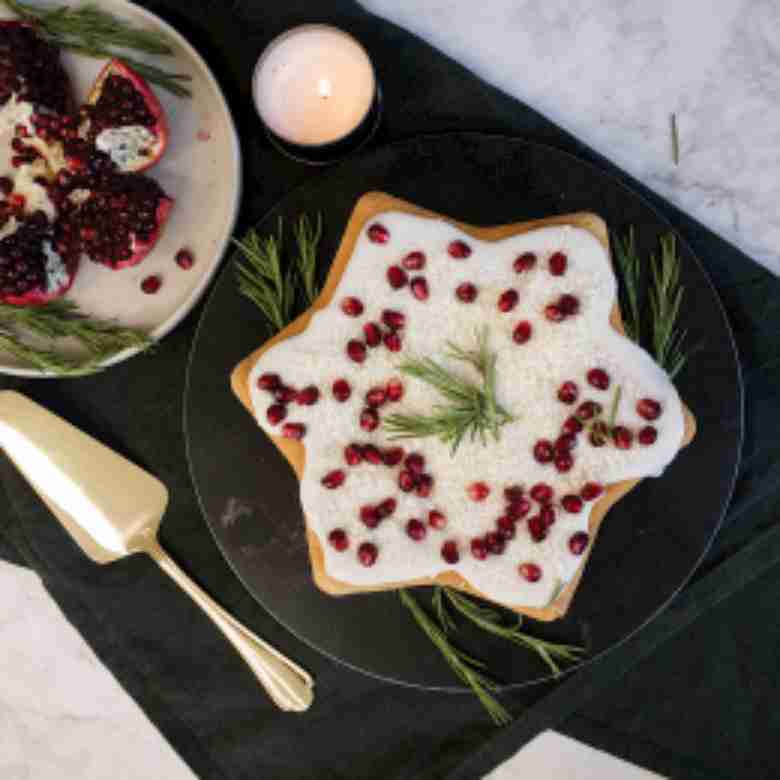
[
  {"x": 58, "y": 320},
  {"x": 675, "y": 139},
  {"x": 630, "y": 270},
  {"x": 613, "y": 409},
  {"x": 307, "y": 237},
  {"x": 472, "y": 410},
  {"x": 88, "y": 30},
  {"x": 491, "y": 621},
  {"x": 666, "y": 294},
  {"x": 468, "y": 669}
]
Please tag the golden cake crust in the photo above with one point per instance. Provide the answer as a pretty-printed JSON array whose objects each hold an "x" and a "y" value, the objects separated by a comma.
[{"x": 367, "y": 207}]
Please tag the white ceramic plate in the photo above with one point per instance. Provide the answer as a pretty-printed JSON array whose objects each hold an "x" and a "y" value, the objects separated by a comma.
[{"x": 201, "y": 170}]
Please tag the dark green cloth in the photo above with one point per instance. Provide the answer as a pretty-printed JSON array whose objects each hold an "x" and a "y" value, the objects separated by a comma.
[{"x": 690, "y": 693}]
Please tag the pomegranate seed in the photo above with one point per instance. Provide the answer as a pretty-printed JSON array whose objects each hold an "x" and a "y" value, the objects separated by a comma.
[
  {"x": 519, "y": 508},
  {"x": 284, "y": 394},
  {"x": 522, "y": 332},
  {"x": 367, "y": 554},
  {"x": 599, "y": 378},
  {"x": 572, "y": 504},
  {"x": 495, "y": 543},
  {"x": 338, "y": 539},
  {"x": 372, "y": 455},
  {"x": 591, "y": 491},
  {"x": 558, "y": 264},
  {"x": 415, "y": 463},
  {"x": 449, "y": 551},
  {"x": 525, "y": 262},
  {"x": 563, "y": 462},
  {"x": 648, "y": 408},
  {"x": 437, "y": 519},
  {"x": 507, "y": 300},
  {"x": 406, "y": 481},
  {"x": 369, "y": 516},
  {"x": 353, "y": 454},
  {"x": 419, "y": 287},
  {"x": 6, "y": 186},
  {"x": 396, "y": 276},
  {"x": 588, "y": 410},
  {"x": 513, "y": 493},
  {"x": 378, "y": 234},
  {"x": 647, "y": 435},
  {"x": 466, "y": 292},
  {"x": 506, "y": 527},
  {"x": 622, "y": 437},
  {"x": 478, "y": 491},
  {"x": 395, "y": 320},
  {"x": 414, "y": 261},
  {"x": 269, "y": 381},
  {"x": 537, "y": 528},
  {"x": 424, "y": 486},
  {"x": 341, "y": 390},
  {"x": 543, "y": 451},
  {"x": 479, "y": 548},
  {"x": 308, "y": 396},
  {"x": 542, "y": 493},
  {"x": 568, "y": 393},
  {"x": 572, "y": 425},
  {"x": 392, "y": 341},
  {"x": 293, "y": 430},
  {"x": 376, "y": 396},
  {"x": 416, "y": 530},
  {"x": 151, "y": 284},
  {"x": 460, "y": 250},
  {"x": 393, "y": 456},
  {"x": 369, "y": 419},
  {"x": 569, "y": 305},
  {"x": 565, "y": 442},
  {"x": 387, "y": 507},
  {"x": 530, "y": 572},
  {"x": 334, "y": 479},
  {"x": 373, "y": 334},
  {"x": 547, "y": 514},
  {"x": 578, "y": 542},
  {"x": 598, "y": 434},
  {"x": 276, "y": 413},
  {"x": 352, "y": 307},
  {"x": 184, "y": 259},
  {"x": 395, "y": 390},
  {"x": 553, "y": 313},
  {"x": 356, "y": 350}
]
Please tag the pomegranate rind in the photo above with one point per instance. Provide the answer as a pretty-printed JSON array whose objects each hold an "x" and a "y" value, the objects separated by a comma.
[
  {"x": 160, "y": 128},
  {"x": 37, "y": 296}
]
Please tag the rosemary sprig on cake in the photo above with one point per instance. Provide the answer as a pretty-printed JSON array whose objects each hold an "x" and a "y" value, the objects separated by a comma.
[
  {"x": 88, "y": 30},
  {"x": 62, "y": 319},
  {"x": 471, "y": 409}
]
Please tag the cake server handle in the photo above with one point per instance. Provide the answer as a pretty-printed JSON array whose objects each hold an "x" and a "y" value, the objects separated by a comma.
[{"x": 290, "y": 687}]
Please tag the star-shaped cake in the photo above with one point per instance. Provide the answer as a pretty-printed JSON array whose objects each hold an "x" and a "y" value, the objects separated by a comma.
[{"x": 509, "y": 514}]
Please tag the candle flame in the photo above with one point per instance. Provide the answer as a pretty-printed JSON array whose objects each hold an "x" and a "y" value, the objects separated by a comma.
[{"x": 324, "y": 88}]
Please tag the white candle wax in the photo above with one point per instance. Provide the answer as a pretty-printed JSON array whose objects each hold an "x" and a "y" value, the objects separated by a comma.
[{"x": 313, "y": 85}]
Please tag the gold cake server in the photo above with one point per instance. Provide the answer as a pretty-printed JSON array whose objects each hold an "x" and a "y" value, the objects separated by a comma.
[{"x": 112, "y": 508}]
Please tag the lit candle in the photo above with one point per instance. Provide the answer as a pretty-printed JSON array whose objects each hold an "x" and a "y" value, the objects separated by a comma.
[{"x": 316, "y": 92}]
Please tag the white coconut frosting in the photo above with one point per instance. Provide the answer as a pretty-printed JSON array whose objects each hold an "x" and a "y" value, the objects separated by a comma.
[{"x": 528, "y": 378}]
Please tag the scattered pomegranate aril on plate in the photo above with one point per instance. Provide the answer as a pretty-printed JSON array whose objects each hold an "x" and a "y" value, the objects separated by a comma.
[
  {"x": 460, "y": 250},
  {"x": 524, "y": 262},
  {"x": 569, "y": 305},
  {"x": 466, "y": 292},
  {"x": 334, "y": 479},
  {"x": 536, "y": 528},
  {"x": 522, "y": 332},
  {"x": 414, "y": 261},
  {"x": 530, "y": 572},
  {"x": 419, "y": 288},
  {"x": 341, "y": 390},
  {"x": 572, "y": 504},
  {"x": 437, "y": 519},
  {"x": 356, "y": 350},
  {"x": 387, "y": 507},
  {"x": 563, "y": 462},
  {"x": 495, "y": 544},
  {"x": 353, "y": 454},
  {"x": 599, "y": 378},
  {"x": 648, "y": 408},
  {"x": 416, "y": 530},
  {"x": 406, "y": 481},
  {"x": 369, "y": 419},
  {"x": 293, "y": 430},
  {"x": 269, "y": 381},
  {"x": 542, "y": 493},
  {"x": 338, "y": 539},
  {"x": 369, "y": 516},
  {"x": 598, "y": 434},
  {"x": 572, "y": 425},
  {"x": 547, "y": 515},
  {"x": 557, "y": 263},
  {"x": 543, "y": 451},
  {"x": 151, "y": 284},
  {"x": 554, "y": 313},
  {"x": 591, "y": 491},
  {"x": 565, "y": 443},
  {"x": 622, "y": 437},
  {"x": 371, "y": 454},
  {"x": 513, "y": 493},
  {"x": 285, "y": 394},
  {"x": 376, "y": 396},
  {"x": 392, "y": 341},
  {"x": 568, "y": 392},
  {"x": 505, "y": 527},
  {"x": 308, "y": 396},
  {"x": 449, "y": 551},
  {"x": 478, "y": 491},
  {"x": 276, "y": 413},
  {"x": 372, "y": 334},
  {"x": 424, "y": 486},
  {"x": 352, "y": 307},
  {"x": 647, "y": 435},
  {"x": 378, "y": 234},
  {"x": 588, "y": 410},
  {"x": 478, "y": 548},
  {"x": 395, "y": 389},
  {"x": 415, "y": 463},
  {"x": 518, "y": 508},
  {"x": 392, "y": 456},
  {"x": 397, "y": 277},
  {"x": 507, "y": 300},
  {"x": 395, "y": 320},
  {"x": 578, "y": 542},
  {"x": 184, "y": 259},
  {"x": 367, "y": 554}
]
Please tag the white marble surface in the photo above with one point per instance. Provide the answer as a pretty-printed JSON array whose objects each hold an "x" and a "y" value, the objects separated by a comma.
[{"x": 611, "y": 72}]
